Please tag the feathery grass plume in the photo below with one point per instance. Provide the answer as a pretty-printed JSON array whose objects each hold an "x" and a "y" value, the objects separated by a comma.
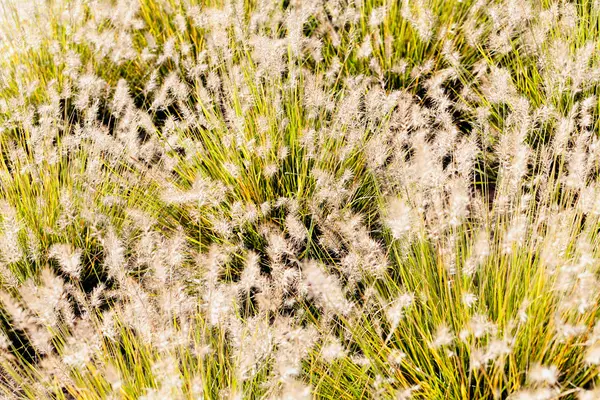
[
  {"x": 9, "y": 241},
  {"x": 400, "y": 218},
  {"x": 68, "y": 258},
  {"x": 325, "y": 289}
]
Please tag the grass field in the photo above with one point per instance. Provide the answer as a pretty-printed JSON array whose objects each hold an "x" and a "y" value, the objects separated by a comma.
[{"x": 297, "y": 199}]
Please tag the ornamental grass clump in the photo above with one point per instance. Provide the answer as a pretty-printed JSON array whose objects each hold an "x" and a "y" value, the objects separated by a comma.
[{"x": 300, "y": 199}]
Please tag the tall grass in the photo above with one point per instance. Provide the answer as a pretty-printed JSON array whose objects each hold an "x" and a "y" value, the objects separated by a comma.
[{"x": 299, "y": 199}]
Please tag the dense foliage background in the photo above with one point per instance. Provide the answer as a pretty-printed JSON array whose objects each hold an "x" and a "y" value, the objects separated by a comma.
[{"x": 299, "y": 199}]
